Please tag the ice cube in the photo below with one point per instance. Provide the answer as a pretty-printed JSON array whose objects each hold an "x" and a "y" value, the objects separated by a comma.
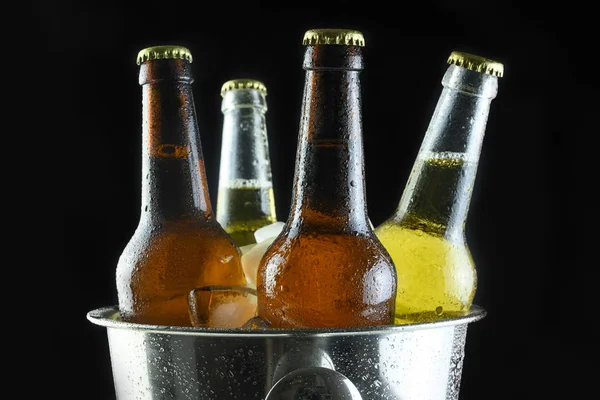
[
  {"x": 251, "y": 259},
  {"x": 268, "y": 231},
  {"x": 244, "y": 249},
  {"x": 221, "y": 306},
  {"x": 256, "y": 323}
]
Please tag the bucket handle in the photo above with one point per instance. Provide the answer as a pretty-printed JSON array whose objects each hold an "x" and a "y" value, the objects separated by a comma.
[{"x": 314, "y": 383}]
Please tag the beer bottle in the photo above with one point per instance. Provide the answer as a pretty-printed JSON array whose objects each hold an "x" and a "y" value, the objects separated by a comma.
[
  {"x": 245, "y": 199},
  {"x": 178, "y": 245},
  {"x": 327, "y": 268},
  {"x": 425, "y": 236}
]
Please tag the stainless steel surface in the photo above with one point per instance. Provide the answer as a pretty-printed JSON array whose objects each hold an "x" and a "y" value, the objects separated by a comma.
[{"x": 403, "y": 362}]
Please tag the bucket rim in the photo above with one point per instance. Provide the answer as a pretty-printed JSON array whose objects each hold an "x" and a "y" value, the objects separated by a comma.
[{"x": 108, "y": 317}]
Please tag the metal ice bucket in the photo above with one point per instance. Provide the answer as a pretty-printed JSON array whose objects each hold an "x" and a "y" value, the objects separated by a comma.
[{"x": 420, "y": 361}]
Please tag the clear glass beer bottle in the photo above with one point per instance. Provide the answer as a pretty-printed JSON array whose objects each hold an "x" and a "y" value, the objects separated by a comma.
[
  {"x": 245, "y": 200},
  {"x": 426, "y": 234},
  {"x": 178, "y": 245},
  {"x": 327, "y": 268}
]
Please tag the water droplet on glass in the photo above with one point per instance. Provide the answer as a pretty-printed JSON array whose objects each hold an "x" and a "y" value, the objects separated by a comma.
[{"x": 225, "y": 260}]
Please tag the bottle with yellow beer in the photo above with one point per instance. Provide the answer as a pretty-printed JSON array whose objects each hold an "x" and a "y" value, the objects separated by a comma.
[
  {"x": 425, "y": 236},
  {"x": 327, "y": 268},
  {"x": 178, "y": 245},
  {"x": 245, "y": 200}
]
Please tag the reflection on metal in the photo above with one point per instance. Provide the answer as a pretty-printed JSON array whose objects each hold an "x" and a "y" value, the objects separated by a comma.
[
  {"x": 301, "y": 357},
  {"x": 314, "y": 384}
]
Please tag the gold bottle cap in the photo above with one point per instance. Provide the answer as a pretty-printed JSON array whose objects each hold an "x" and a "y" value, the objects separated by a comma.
[
  {"x": 346, "y": 37},
  {"x": 476, "y": 63},
  {"x": 243, "y": 84},
  {"x": 163, "y": 52}
]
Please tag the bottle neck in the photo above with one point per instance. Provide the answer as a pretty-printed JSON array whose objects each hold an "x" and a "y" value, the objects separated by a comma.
[
  {"x": 438, "y": 192},
  {"x": 245, "y": 164},
  {"x": 329, "y": 177},
  {"x": 173, "y": 175}
]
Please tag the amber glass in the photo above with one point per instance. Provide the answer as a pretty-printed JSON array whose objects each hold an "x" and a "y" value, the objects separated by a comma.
[
  {"x": 178, "y": 244},
  {"x": 327, "y": 268}
]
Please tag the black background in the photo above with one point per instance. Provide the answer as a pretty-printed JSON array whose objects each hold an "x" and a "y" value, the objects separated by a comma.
[{"x": 530, "y": 225}]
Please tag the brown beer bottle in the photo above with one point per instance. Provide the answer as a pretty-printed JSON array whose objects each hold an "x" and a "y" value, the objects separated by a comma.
[
  {"x": 327, "y": 268},
  {"x": 178, "y": 245}
]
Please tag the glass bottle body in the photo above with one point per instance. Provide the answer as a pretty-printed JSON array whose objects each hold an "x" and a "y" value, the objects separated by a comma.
[
  {"x": 426, "y": 236},
  {"x": 245, "y": 201},
  {"x": 178, "y": 245},
  {"x": 327, "y": 268}
]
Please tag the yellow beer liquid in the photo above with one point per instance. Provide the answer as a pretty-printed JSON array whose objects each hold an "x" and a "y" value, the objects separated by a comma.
[
  {"x": 435, "y": 269},
  {"x": 435, "y": 277},
  {"x": 245, "y": 207}
]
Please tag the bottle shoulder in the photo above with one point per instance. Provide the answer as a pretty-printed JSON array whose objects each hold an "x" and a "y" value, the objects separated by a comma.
[
  {"x": 399, "y": 236},
  {"x": 180, "y": 239},
  {"x": 327, "y": 248}
]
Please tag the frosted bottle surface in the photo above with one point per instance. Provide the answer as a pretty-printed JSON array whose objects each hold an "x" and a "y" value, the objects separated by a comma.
[
  {"x": 245, "y": 201},
  {"x": 327, "y": 268},
  {"x": 436, "y": 272},
  {"x": 178, "y": 245}
]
